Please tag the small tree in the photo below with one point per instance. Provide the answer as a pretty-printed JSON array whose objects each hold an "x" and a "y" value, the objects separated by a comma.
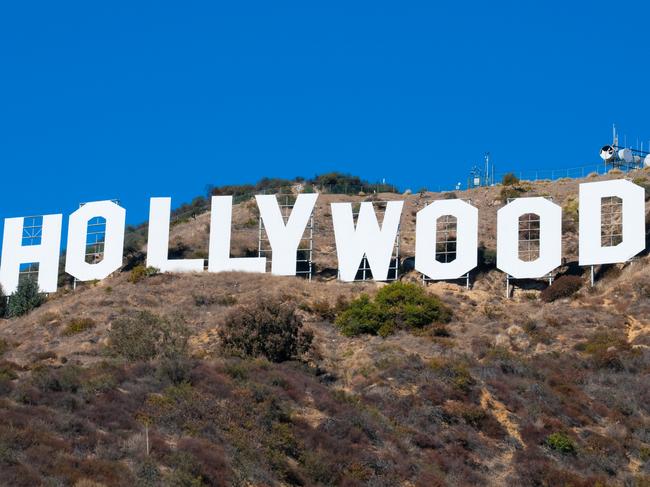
[
  {"x": 25, "y": 299},
  {"x": 3, "y": 303},
  {"x": 509, "y": 179},
  {"x": 145, "y": 420},
  {"x": 267, "y": 328}
]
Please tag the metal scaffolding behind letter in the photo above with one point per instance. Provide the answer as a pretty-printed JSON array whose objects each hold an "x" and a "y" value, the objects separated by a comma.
[
  {"x": 32, "y": 232},
  {"x": 446, "y": 243},
  {"x": 305, "y": 253},
  {"x": 95, "y": 240},
  {"x": 364, "y": 273}
]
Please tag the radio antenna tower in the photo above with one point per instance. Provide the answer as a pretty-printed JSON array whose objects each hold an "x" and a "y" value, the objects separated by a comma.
[{"x": 482, "y": 176}]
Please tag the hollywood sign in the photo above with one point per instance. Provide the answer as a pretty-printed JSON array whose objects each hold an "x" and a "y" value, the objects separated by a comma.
[{"x": 353, "y": 241}]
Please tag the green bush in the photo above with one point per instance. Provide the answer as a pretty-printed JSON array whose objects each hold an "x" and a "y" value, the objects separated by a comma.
[
  {"x": 26, "y": 298},
  {"x": 333, "y": 182},
  {"x": 268, "y": 328},
  {"x": 3, "y": 303},
  {"x": 560, "y": 442},
  {"x": 78, "y": 325},
  {"x": 140, "y": 272},
  {"x": 398, "y": 305},
  {"x": 340, "y": 183},
  {"x": 362, "y": 315},
  {"x": 562, "y": 287}
]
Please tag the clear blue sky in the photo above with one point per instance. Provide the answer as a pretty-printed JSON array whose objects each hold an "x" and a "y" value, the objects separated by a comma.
[{"x": 136, "y": 99}]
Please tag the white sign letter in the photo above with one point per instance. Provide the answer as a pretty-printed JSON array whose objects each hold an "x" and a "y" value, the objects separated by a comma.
[
  {"x": 75, "y": 261},
  {"x": 633, "y": 220},
  {"x": 284, "y": 239},
  {"x": 158, "y": 241},
  {"x": 466, "y": 239},
  {"x": 376, "y": 243},
  {"x": 219, "y": 253},
  {"x": 46, "y": 254},
  {"x": 550, "y": 238}
]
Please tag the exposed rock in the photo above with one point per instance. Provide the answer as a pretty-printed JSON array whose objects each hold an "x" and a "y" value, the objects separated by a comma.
[
  {"x": 541, "y": 348},
  {"x": 502, "y": 340},
  {"x": 515, "y": 331}
]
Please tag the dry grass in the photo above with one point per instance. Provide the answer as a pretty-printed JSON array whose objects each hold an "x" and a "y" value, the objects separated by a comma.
[
  {"x": 193, "y": 235},
  {"x": 474, "y": 405}
]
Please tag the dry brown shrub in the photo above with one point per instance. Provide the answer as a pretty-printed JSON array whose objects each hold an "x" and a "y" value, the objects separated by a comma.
[
  {"x": 268, "y": 328},
  {"x": 210, "y": 462},
  {"x": 562, "y": 287}
]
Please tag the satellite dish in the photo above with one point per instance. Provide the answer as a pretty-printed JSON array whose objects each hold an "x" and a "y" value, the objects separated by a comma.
[
  {"x": 646, "y": 161},
  {"x": 607, "y": 153},
  {"x": 625, "y": 155}
]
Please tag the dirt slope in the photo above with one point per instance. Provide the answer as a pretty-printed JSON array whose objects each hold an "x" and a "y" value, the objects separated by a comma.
[{"x": 515, "y": 391}]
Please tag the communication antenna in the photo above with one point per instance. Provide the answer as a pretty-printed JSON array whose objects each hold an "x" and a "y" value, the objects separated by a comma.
[
  {"x": 623, "y": 157},
  {"x": 487, "y": 167},
  {"x": 482, "y": 176},
  {"x": 492, "y": 178}
]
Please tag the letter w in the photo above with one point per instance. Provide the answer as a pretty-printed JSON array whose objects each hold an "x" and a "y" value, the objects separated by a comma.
[{"x": 368, "y": 238}]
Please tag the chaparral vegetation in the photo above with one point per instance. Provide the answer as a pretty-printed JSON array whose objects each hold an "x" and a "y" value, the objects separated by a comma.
[{"x": 150, "y": 378}]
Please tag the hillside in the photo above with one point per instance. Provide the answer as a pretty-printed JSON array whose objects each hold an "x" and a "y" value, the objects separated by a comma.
[
  {"x": 513, "y": 391},
  {"x": 189, "y": 236}
]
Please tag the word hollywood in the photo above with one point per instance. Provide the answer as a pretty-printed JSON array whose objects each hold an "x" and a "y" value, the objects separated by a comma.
[{"x": 353, "y": 241}]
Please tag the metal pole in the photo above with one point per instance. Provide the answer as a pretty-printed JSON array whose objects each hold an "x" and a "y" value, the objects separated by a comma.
[
  {"x": 259, "y": 237},
  {"x": 397, "y": 254},
  {"x": 311, "y": 245},
  {"x": 592, "y": 276}
]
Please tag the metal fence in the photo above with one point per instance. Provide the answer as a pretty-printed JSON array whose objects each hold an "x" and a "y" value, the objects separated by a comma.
[
  {"x": 537, "y": 175},
  {"x": 555, "y": 174}
]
